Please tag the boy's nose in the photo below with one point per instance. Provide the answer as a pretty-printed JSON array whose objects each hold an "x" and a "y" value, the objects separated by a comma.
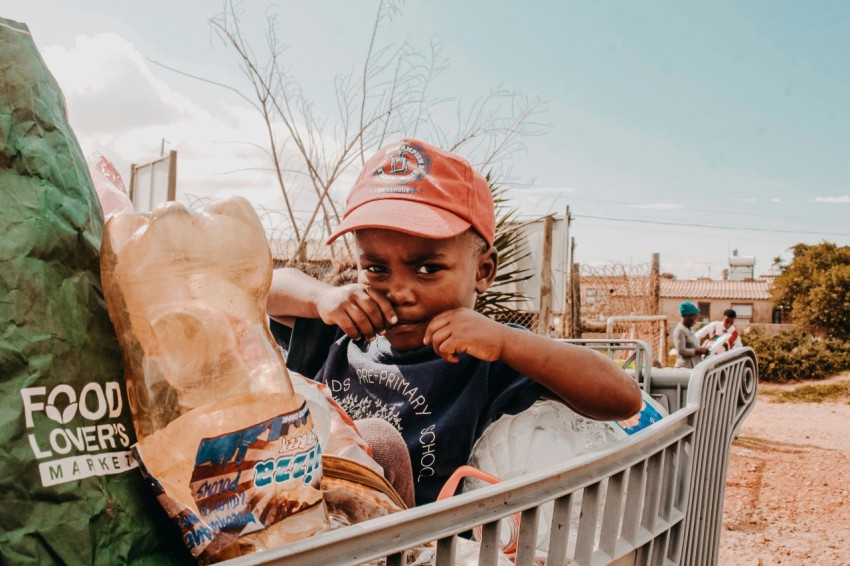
[{"x": 400, "y": 292}]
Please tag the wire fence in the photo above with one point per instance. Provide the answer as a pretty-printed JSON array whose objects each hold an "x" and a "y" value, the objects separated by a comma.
[
  {"x": 610, "y": 290},
  {"x": 619, "y": 290},
  {"x": 615, "y": 289},
  {"x": 525, "y": 319},
  {"x": 602, "y": 291}
]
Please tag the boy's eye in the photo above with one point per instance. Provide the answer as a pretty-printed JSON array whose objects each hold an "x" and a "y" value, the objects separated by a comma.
[
  {"x": 375, "y": 268},
  {"x": 429, "y": 269}
]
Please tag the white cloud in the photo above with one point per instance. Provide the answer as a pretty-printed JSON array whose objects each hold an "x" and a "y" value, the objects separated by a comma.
[
  {"x": 834, "y": 200},
  {"x": 117, "y": 106},
  {"x": 110, "y": 88},
  {"x": 657, "y": 206},
  {"x": 776, "y": 199}
]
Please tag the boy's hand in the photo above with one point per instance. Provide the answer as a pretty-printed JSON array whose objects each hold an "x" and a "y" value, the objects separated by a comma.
[
  {"x": 360, "y": 311},
  {"x": 464, "y": 330}
]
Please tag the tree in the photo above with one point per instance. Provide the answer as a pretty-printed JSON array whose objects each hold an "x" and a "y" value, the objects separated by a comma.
[
  {"x": 815, "y": 286},
  {"x": 388, "y": 97}
]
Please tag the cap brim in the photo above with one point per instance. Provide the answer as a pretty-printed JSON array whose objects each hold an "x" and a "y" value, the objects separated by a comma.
[{"x": 409, "y": 217}]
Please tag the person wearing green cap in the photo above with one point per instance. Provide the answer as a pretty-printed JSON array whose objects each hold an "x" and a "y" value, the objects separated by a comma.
[{"x": 688, "y": 351}]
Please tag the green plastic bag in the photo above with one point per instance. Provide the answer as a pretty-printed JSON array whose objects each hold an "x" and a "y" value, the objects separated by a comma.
[{"x": 69, "y": 491}]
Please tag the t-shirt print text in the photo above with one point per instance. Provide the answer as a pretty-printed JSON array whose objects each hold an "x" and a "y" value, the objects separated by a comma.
[{"x": 396, "y": 382}]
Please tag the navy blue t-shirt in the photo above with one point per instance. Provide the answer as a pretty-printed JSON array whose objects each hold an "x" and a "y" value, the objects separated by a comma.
[{"x": 440, "y": 408}]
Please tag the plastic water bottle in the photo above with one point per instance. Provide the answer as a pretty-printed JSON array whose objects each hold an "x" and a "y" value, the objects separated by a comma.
[{"x": 223, "y": 438}]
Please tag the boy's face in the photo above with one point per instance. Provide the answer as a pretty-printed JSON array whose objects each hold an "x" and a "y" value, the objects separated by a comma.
[{"x": 422, "y": 277}]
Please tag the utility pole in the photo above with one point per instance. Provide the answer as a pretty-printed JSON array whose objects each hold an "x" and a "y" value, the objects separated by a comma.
[
  {"x": 655, "y": 306},
  {"x": 655, "y": 285},
  {"x": 544, "y": 315},
  {"x": 575, "y": 295},
  {"x": 568, "y": 265}
]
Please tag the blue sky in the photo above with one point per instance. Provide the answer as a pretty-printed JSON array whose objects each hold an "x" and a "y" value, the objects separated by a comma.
[{"x": 669, "y": 126}]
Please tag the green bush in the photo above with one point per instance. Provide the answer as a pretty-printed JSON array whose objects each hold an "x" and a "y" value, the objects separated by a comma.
[{"x": 795, "y": 355}]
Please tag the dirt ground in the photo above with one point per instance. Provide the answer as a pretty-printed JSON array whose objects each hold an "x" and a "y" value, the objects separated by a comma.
[{"x": 788, "y": 488}]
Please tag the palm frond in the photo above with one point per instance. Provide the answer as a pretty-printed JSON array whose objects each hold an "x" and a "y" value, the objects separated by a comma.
[{"x": 509, "y": 243}]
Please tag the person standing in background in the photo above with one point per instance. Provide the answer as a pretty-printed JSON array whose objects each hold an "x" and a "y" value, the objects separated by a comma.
[{"x": 688, "y": 349}]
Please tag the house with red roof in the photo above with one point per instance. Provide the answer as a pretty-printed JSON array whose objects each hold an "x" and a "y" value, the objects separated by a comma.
[{"x": 749, "y": 299}]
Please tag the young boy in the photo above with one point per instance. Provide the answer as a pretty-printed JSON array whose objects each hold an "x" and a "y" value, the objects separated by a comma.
[
  {"x": 721, "y": 335},
  {"x": 409, "y": 348}
]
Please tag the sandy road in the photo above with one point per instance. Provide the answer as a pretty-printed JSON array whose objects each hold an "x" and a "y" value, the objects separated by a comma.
[{"x": 788, "y": 489}]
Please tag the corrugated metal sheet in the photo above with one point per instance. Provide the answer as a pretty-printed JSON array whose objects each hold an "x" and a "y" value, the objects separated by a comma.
[{"x": 706, "y": 289}]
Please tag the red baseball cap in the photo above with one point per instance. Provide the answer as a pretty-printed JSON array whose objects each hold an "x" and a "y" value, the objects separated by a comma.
[{"x": 419, "y": 189}]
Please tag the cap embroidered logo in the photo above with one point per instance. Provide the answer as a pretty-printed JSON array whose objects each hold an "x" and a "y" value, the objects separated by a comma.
[{"x": 395, "y": 168}]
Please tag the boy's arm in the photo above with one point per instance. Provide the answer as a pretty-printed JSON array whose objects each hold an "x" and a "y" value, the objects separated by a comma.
[
  {"x": 704, "y": 330},
  {"x": 358, "y": 310},
  {"x": 292, "y": 295},
  {"x": 590, "y": 383}
]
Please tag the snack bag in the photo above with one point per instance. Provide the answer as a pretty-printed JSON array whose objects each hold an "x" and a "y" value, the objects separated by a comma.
[
  {"x": 226, "y": 442},
  {"x": 69, "y": 491}
]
